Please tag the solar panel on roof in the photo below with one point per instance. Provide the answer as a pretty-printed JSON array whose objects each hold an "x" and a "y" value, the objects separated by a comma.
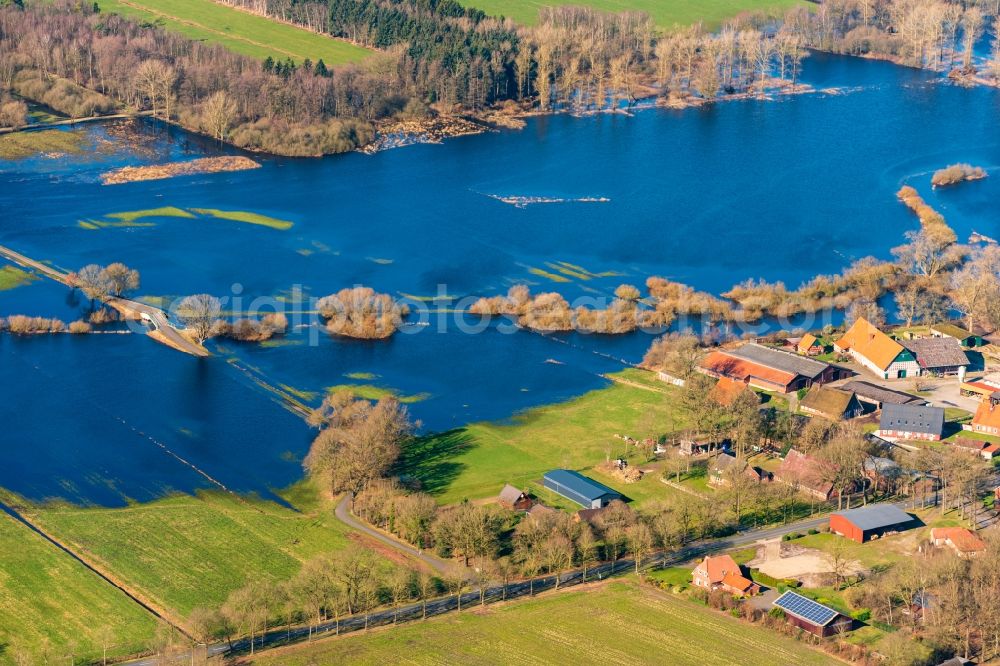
[{"x": 805, "y": 608}]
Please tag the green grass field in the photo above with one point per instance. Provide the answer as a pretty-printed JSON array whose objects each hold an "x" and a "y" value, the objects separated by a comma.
[
  {"x": 26, "y": 144},
  {"x": 187, "y": 551},
  {"x": 47, "y": 598},
  {"x": 476, "y": 460},
  {"x": 665, "y": 13},
  {"x": 620, "y": 623},
  {"x": 238, "y": 31}
]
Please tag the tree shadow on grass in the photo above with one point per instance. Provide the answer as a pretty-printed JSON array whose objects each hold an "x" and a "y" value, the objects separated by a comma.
[{"x": 430, "y": 459}]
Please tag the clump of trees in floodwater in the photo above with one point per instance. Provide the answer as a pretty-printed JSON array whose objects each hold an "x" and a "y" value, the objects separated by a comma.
[
  {"x": 202, "y": 318},
  {"x": 361, "y": 312},
  {"x": 957, "y": 173},
  {"x": 99, "y": 283}
]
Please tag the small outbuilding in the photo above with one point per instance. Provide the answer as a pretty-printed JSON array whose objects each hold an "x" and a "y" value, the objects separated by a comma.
[
  {"x": 514, "y": 499},
  {"x": 964, "y": 337},
  {"x": 831, "y": 403},
  {"x": 812, "y": 616},
  {"x": 810, "y": 345},
  {"x": 922, "y": 422},
  {"x": 869, "y": 522},
  {"x": 580, "y": 489}
]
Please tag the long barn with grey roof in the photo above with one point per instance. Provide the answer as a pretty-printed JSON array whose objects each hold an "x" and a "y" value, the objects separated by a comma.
[
  {"x": 575, "y": 486},
  {"x": 870, "y": 521},
  {"x": 922, "y": 422},
  {"x": 878, "y": 396}
]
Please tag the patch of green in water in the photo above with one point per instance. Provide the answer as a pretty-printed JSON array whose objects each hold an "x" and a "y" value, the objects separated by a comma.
[
  {"x": 361, "y": 376},
  {"x": 372, "y": 392},
  {"x": 19, "y": 145},
  {"x": 280, "y": 342},
  {"x": 163, "y": 211},
  {"x": 555, "y": 277},
  {"x": 299, "y": 393},
  {"x": 12, "y": 277},
  {"x": 245, "y": 216}
]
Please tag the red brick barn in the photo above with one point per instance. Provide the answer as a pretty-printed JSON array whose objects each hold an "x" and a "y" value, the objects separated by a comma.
[{"x": 869, "y": 522}]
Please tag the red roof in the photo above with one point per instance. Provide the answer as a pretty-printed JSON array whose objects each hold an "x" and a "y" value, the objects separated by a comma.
[
  {"x": 726, "y": 391},
  {"x": 987, "y": 416},
  {"x": 963, "y": 540},
  {"x": 719, "y": 567},
  {"x": 722, "y": 364},
  {"x": 737, "y": 582}
]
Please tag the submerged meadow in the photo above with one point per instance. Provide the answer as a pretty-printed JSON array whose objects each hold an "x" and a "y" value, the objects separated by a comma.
[{"x": 778, "y": 189}]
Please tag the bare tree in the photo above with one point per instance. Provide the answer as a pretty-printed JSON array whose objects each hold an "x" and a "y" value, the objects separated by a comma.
[
  {"x": 200, "y": 314},
  {"x": 217, "y": 114},
  {"x": 121, "y": 279}
]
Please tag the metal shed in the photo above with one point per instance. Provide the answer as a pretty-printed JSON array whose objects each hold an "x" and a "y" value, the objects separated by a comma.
[
  {"x": 863, "y": 523},
  {"x": 575, "y": 486}
]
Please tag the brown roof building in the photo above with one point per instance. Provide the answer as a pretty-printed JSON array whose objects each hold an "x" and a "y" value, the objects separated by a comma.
[
  {"x": 939, "y": 356},
  {"x": 514, "y": 499},
  {"x": 831, "y": 403},
  {"x": 807, "y": 474},
  {"x": 768, "y": 368}
]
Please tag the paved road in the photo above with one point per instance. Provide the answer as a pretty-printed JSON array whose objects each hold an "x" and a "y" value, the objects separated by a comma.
[
  {"x": 492, "y": 594},
  {"x": 73, "y": 121},
  {"x": 162, "y": 329},
  {"x": 343, "y": 513}
]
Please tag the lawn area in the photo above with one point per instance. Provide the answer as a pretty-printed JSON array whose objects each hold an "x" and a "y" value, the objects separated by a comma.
[
  {"x": 665, "y": 13},
  {"x": 48, "y": 597},
  {"x": 238, "y": 31},
  {"x": 186, "y": 551},
  {"x": 26, "y": 144},
  {"x": 618, "y": 623},
  {"x": 475, "y": 461},
  {"x": 880, "y": 552}
]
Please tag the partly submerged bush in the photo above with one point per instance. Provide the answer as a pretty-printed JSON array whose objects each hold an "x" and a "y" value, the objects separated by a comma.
[
  {"x": 956, "y": 173},
  {"x": 362, "y": 313}
]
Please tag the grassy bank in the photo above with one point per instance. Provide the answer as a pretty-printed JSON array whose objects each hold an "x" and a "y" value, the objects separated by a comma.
[
  {"x": 476, "y": 460},
  {"x": 666, "y": 13},
  {"x": 238, "y": 31},
  {"x": 617, "y": 623},
  {"x": 26, "y": 144},
  {"x": 51, "y": 605},
  {"x": 186, "y": 551}
]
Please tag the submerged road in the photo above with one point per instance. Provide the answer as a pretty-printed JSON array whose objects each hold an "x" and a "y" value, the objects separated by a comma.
[{"x": 162, "y": 330}]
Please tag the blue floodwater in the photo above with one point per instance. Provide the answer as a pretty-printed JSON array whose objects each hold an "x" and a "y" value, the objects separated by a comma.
[{"x": 781, "y": 190}]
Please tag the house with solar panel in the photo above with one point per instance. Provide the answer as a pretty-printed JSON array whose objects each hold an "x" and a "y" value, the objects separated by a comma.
[
  {"x": 576, "y": 487},
  {"x": 870, "y": 522},
  {"x": 812, "y": 616}
]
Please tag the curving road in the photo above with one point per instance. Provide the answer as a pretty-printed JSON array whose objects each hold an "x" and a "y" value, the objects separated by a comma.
[
  {"x": 344, "y": 515},
  {"x": 163, "y": 330},
  {"x": 491, "y": 594}
]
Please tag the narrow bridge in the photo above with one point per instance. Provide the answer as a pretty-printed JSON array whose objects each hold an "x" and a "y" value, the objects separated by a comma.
[{"x": 160, "y": 328}]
